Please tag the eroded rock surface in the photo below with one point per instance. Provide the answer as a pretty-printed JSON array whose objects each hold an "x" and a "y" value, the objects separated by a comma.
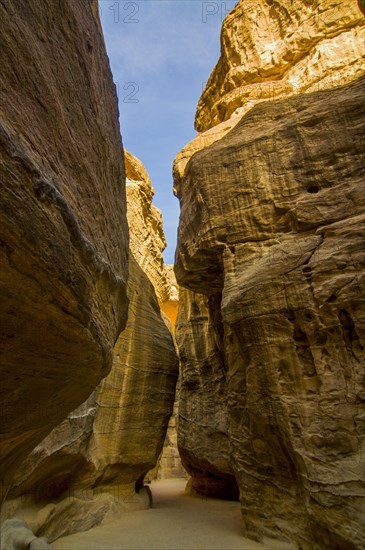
[
  {"x": 202, "y": 424},
  {"x": 91, "y": 467},
  {"x": 16, "y": 535},
  {"x": 272, "y": 49},
  {"x": 276, "y": 49},
  {"x": 272, "y": 233},
  {"x": 64, "y": 234},
  {"x": 147, "y": 244},
  {"x": 147, "y": 239}
]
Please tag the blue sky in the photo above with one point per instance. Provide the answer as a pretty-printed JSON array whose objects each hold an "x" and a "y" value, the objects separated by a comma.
[{"x": 161, "y": 54}]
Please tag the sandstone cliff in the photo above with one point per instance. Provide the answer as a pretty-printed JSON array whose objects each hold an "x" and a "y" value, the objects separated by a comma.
[
  {"x": 272, "y": 233},
  {"x": 271, "y": 329},
  {"x": 64, "y": 234},
  {"x": 203, "y": 437},
  {"x": 147, "y": 244},
  {"x": 273, "y": 49},
  {"x": 92, "y": 466},
  {"x": 147, "y": 239}
]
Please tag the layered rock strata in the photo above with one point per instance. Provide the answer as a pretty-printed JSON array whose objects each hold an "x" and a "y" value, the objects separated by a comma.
[
  {"x": 64, "y": 234},
  {"x": 272, "y": 234},
  {"x": 170, "y": 304},
  {"x": 92, "y": 466},
  {"x": 147, "y": 244},
  {"x": 276, "y": 49},
  {"x": 147, "y": 239}
]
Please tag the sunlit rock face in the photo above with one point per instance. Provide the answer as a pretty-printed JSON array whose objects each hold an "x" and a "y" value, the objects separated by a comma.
[
  {"x": 272, "y": 233},
  {"x": 136, "y": 399},
  {"x": 275, "y": 49},
  {"x": 147, "y": 239},
  {"x": 170, "y": 305},
  {"x": 147, "y": 242},
  {"x": 91, "y": 467},
  {"x": 64, "y": 233}
]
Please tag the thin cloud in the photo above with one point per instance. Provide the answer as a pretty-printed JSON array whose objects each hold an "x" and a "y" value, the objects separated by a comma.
[{"x": 163, "y": 60}]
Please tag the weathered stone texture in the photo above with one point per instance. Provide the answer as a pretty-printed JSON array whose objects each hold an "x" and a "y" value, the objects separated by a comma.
[
  {"x": 136, "y": 400},
  {"x": 91, "y": 467},
  {"x": 276, "y": 49},
  {"x": 147, "y": 244},
  {"x": 147, "y": 239},
  {"x": 272, "y": 233},
  {"x": 64, "y": 267},
  {"x": 202, "y": 423},
  {"x": 64, "y": 234},
  {"x": 169, "y": 464}
]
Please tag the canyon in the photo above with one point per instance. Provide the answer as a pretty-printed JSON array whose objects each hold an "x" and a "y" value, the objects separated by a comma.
[{"x": 249, "y": 366}]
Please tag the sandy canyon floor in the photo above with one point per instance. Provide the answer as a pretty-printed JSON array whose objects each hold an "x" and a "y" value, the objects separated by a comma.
[{"x": 176, "y": 522}]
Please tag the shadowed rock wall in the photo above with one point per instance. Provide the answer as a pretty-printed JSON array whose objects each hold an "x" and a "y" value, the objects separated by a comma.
[
  {"x": 91, "y": 467},
  {"x": 202, "y": 435},
  {"x": 64, "y": 270},
  {"x": 64, "y": 234},
  {"x": 272, "y": 233}
]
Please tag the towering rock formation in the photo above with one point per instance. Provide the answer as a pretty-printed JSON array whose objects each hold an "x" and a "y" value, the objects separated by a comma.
[
  {"x": 147, "y": 239},
  {"x": 273, "y": 49},
  {"x": 147, "y": 244},
  {"x": 64, "y": 269},
  {"x": 92, "y": 466},
  {"x": 64, "y": 234},
  {"x": 270, "y": 248}
]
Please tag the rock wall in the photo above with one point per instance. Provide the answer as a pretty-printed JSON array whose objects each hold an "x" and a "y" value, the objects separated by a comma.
[
  {"x": 91, "y": 467},
  {"x": 272, "y": 233},
  {"x": 169, "y": 465},
  {"x": 64, "y": 234},
  {"x": 270, "y": 249},
  {"x": 147, "y": 239},
  {"x": 147, "y": 245},
  {"x": 202, "y": 423},
  {"x": 272, "y": 49},
  {"x": 170, "y": 305}
]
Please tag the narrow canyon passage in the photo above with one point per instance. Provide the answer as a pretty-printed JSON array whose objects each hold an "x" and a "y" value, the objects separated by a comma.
[
  {"x": 176, "y": 522},
  {"x": 240, "y": 363}
]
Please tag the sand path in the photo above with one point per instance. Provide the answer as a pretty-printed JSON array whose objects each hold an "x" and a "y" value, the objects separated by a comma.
[{"x": 176, "y": 522}]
